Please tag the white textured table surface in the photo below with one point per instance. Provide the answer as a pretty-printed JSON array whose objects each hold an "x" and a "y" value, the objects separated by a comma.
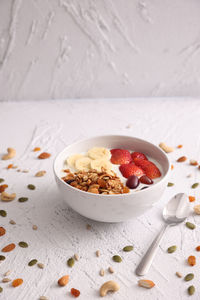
[{"x": 62, "y": 232}]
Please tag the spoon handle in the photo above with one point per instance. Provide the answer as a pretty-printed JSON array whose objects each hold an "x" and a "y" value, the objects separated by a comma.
[{"x": 147, "y": 260}]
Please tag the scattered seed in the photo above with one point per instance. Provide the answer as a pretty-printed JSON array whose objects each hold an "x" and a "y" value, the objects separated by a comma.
[
  {"x": 197, "y": 209},
  {"x": 43, "y": 298},
  {"x": 7, "y": 273},
  {"x": 193, "y": 162},
  {"x": 111, "y": 270},
  {"x": 9, "y": 166},
  {"x": 178, "y": 274},
  {"x": 76, "y": 256},
  {"x": 17, "y": 282},
  {"x": 148, "y": 284},
  {"x": 44, "y": 155},
  {"x": 1, "y": 289},
  {"x": 189, "y": 175},
  {"x": 171, "y": 249},
  {"x": 14, "y": 167},
  {"x": 2, "y": 231},
  {"x": 192, "y": 260},
  {"x": 34, "y": 227},
  {"x": 191, "y": 290},
  {"x": 182, "y": 159},
  {"x": 40, "y": 173},
  {"x": 180, "y": 146},
  {"x": 63, "y": 280},
  {"x": 40, "y": 265},
  {"x": 75, "y": 292},
  {"x": 25, "y": 171},
  {"x": 12, "y": 222},
  {"x": 101, "y": 272},
  {"x": 195, "y": 185},
  {"x": 32, "y": 262},
  {"x": 1, "y": 180},
  {"x": 31, "y": 187},
  {"x": 88, "y": 227},
  {"x": 6, "y": 279},
  {"x": 2, "y": 257},
  {"x": 97, "y": 253},
  {"x": 189, "y": 277},
  {"x": 8, "y": 248},
  {"x": 23, "y": 199},
  {"x": 192, "y": 198},
  {"x": 190, "y": 225},
  {"x": 128, "y": 248},
  {"x": 70, "y": 262},
  {"x": 19, "y": 170},
  {"x": 170, "y": 184},
  {"x": 172, "y": 167},
  {"x": 117, "y": 258},
  {"x": 3, "y": 213},
  {"x": 23, "y": 244},
  {"x": 198, "y": 248},
  {"x": 36, "y": 149}
]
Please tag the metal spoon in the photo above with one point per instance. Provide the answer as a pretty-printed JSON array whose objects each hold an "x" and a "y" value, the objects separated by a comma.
[{"x": 175, "y": 211}]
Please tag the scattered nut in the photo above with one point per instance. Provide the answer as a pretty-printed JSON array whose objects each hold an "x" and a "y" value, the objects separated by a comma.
[
  {"x": 7, "y": 197},
  {"x": 6, "y": 279},
  {"x": 12, "y": 222},
  {"x": 88, "y": 227},
  {"x": 182, "y": 159},
  {"x": 11, "y": 154},
  {"x": 43, "y": 298},
  {"x": 40, "y": 173},
  {"x": 34, "y": 227},
  {"x": 25, "y": 171},
  {"x": 180, "y": 146},
  {"x": 148, "y": 284},
  {"x": 97, "y": 253},
  {"x": 101, "y": 272},
  {"x": 40, "y": 265},
  {"x": 197, "y": 209},
  {"x": 178, "y": 274},
  {"x": 7, "y": 273},
  {"x": 109, "y": 286},
  {"x": 166, "y": 148},
  {"x": 193, "y": 162},
  {"x": 76, "y": 256},
  {"x": 111, "y": 270}
]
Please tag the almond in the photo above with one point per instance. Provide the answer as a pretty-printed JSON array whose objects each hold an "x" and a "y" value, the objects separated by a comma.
[
  {"x": 44, "y": 155},
  {"x": 8, "y": 248},
  {"x": 2, "y": 231},
  {"x": 63, "y": 280},
  {"x": 148, "y": 284}
]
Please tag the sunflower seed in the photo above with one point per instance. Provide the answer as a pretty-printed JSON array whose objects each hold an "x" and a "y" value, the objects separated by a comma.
[
  {"x": 7, "y": 273},
  {"x": 102, "y": 272},
  {"x": 111, "y": 270},
  {"x": 6, "y": 279},
  {"x": 40, "y": 265},
  {"x": 76, "y": 256},
  {"x": 97, "y": 253},
  {"x": 178, "y": 274}
]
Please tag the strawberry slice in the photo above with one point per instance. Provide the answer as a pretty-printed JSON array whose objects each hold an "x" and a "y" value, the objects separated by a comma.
[
  {"x": 149, "y": 168},
  {"x": 114, "y": 150},
  {"x": 138, "y": 155},
  {"x": 120, "y": 157},
  {"x": 131, "y": 169}
]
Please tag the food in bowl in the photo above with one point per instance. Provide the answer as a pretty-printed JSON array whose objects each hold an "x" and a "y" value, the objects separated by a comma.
[{"x": 104, "y": 171}]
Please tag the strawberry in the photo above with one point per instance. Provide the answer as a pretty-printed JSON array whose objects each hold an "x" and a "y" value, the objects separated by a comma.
[
  {"x": 120, "y": 157},
  {"x": 114, "y": 150},
  {"x": 138, "y": 155},
  {"x": 148, "y": 167},
  {"x": 128, "y": 170}
]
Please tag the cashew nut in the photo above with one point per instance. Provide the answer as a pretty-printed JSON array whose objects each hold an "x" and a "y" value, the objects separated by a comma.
[
  {"x": 166, "y": 148},
  {"x": 7, "y": 197},
  {"x": 109, "y": 286},
  {"x": 11, "y": 154}
]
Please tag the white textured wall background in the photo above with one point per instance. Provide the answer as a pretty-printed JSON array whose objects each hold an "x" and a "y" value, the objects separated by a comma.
[{"x": 99, "y": 48}]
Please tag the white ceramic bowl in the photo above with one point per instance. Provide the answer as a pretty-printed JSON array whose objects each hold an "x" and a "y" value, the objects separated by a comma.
[{"x": 112, "y": 208}]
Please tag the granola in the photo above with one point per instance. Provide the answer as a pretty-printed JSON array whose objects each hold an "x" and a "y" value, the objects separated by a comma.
[{"x": 92, "y": 181}]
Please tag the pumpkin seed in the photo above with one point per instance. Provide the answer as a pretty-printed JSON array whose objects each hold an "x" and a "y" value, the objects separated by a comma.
[
  {"x": 128, "y": 248},
  {"x": 32, "y": 262},
  {"x": 170, "y": 184},
  {"x": 1, "y": 289},
  {"x": 189, "y": 277},
  {"x": 2, "y": 257},
  {"x": 117, "y": 258},
  {"x": 171, "y": 249},
  {"x": 195, "y": 185},
  {"x": 3, "y": 213},
  {"x": 70, "y": 262},
  {"x": 190, "y": 225},
  {"x": 191, "y": 290},
  {"x": 31, "y": 187},
  {"x": 1, "y": 180},
  {"x": 23, "y": 199},
  {"x": 23, "y": 244}
]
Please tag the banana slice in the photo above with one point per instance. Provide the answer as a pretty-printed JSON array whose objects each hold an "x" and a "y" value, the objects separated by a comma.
[
  {"x": 72, "y": 159},
  {"x": 83, "y": 164},
  {"x": 97, "y": 164},
  {"x": 99, "y": 152}
]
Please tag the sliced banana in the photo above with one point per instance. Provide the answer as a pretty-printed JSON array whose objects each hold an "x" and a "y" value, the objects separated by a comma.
[
  {"x": 99, "y": 152},
  {"x": 83, "y": 164},
  {"x": 72, "y": 159},
  {"x": 97, "y": 164}
]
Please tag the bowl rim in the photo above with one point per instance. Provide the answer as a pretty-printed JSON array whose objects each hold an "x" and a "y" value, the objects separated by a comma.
[{"x": 115, "y": 195}]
